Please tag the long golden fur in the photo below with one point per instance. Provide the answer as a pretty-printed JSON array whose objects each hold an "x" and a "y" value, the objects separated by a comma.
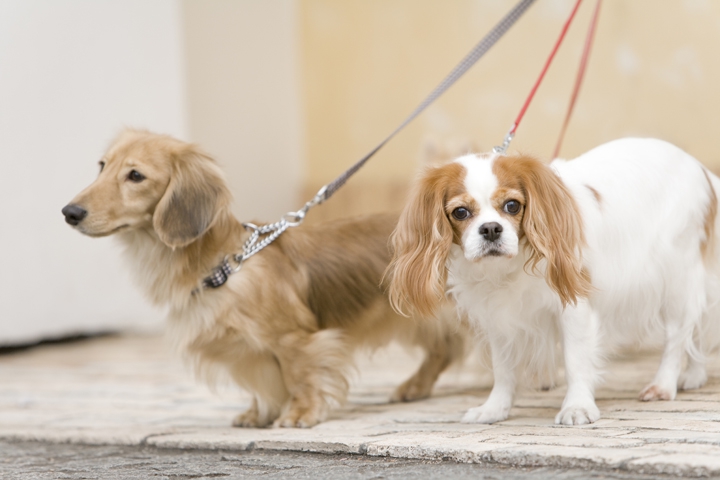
[
  {"x": 285, "y": 326},
  {"x": 422, "y": 242}
]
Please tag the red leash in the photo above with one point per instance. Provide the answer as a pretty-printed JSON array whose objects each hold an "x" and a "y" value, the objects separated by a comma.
[
  {"x": 580, "y": 75},
  {"x": 511, "y": 133}
]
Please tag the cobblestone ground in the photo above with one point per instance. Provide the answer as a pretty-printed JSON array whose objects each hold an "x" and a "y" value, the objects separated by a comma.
[
  {"x": 131, "y": 395},
  {"x": 41, "y": 461}
]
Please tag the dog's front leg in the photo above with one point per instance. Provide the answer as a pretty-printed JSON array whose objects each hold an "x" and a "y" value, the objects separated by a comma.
[
  {"x": 497, "y": 407},
  {"x": 260, "y": 375},
  {"x": 580, "y": 349}
]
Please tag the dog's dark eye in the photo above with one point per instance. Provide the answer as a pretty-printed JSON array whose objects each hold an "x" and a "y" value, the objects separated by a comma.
[
  {"x": 512, "y": 207},
  {"x": 135, "y": 176},
  {"x": 461, "y": 213},
  {"x": 102, "y": 165}
]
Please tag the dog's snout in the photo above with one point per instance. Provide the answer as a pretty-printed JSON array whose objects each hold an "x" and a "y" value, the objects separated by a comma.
[
  {"x": 74, "y": 214},
  {"x": 491, "y": 231}
]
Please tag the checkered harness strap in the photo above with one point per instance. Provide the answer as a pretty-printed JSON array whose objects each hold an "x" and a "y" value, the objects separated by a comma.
[{"x": 252, "y": 245}]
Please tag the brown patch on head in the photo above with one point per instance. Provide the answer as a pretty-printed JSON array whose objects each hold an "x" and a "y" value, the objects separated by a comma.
[
  {"x": 706, "y": 246},
  {"x": 422, "y": 240},
  {"x": 549, "y": 220},
  {"x": 510, "y": 190},
  {"x": 454, "y": 201}
]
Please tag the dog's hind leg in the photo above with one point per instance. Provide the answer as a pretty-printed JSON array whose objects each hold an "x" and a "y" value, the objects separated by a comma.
[
  {"x": 664, "y": 385},
  {"x": 313, "y": 366},
  {"x": 250, "y": 418},
  {"x": 682, "y": 314},
  {"x": 694, "y": 375},
  {"x": 440, "y": 351},
  {"x": 705, "y": 341}
]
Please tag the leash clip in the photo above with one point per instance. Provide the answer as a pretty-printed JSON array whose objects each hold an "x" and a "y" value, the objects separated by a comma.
[
  {"x": 502, "y": 149},
  {"x": 293, "y": 219}
]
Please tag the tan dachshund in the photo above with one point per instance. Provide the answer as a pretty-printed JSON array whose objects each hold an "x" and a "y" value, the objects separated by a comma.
[{"x": 286, "y": 325}]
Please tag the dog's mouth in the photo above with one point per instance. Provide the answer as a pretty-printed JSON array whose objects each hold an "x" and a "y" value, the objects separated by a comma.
[
  {"x": 493, "y": 249},
  {"x": 105, "y": 233}
]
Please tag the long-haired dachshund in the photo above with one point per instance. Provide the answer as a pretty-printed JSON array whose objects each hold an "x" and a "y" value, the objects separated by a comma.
[{"x": 286, "y": 325}]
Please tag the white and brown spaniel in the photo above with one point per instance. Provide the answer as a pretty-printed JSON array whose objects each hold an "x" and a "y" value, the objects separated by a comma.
[{"x": 608, "y": 248}]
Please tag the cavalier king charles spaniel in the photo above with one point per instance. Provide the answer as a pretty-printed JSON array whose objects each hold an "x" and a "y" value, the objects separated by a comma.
[{"x": 612, "y": 247}]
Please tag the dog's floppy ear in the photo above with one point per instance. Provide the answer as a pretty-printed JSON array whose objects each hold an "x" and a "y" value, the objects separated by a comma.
[
  {"x": 553, "y": 227},
  {"x": 421, "y": 245},
  {"x": 194, "y": 196}
]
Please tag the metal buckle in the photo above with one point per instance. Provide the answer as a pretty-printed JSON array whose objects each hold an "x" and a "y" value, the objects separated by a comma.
[
  {"x": 502, "y": 149},
  {"x": 250, "y": 226},
  {"x": 238, "y": 259},
  {"x": 293, "y": 219}
]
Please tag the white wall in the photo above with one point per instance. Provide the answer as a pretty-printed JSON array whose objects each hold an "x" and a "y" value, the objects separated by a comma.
[{"x": 72, "y": 73}]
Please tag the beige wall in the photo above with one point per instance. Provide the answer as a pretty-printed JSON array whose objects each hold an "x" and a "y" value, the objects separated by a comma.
[
  {"x": 655, "y": 71},
  {"x": 243, "y": 98}
]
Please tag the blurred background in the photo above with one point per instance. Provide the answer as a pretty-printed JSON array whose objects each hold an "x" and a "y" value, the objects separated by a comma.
[{"x": 286, "y": 94}]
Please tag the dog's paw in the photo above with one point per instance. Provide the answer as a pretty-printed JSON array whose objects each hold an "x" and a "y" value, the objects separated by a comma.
[
  {"x": 487, "y": 414},
  {"x": 298, "y": 418},
  {"x": 692, "y": 378},
  {"x": 250, "y": 419},
  {"x": 411, "y": 390},
  {"x": 655, "y": 392},
  {"x": 578, "y": 415}
]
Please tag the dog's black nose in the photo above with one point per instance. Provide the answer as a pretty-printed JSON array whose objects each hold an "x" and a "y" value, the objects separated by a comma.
[
  {"x": 74, "y": 214},
  {"x": 491, "y": 231}
]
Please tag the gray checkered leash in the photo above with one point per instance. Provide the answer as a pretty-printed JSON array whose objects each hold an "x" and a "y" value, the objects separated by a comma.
[{"x": 292, "y": 219}]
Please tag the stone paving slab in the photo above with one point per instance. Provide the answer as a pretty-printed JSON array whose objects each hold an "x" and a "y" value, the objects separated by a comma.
[{"x": 129, "y": 390}]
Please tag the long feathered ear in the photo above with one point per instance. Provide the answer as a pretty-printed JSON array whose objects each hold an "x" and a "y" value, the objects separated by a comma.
[
  {"x": 553, "y": 227},
  {"x": 195, "y": 194},
  {"x": 421, "y": 245}
]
